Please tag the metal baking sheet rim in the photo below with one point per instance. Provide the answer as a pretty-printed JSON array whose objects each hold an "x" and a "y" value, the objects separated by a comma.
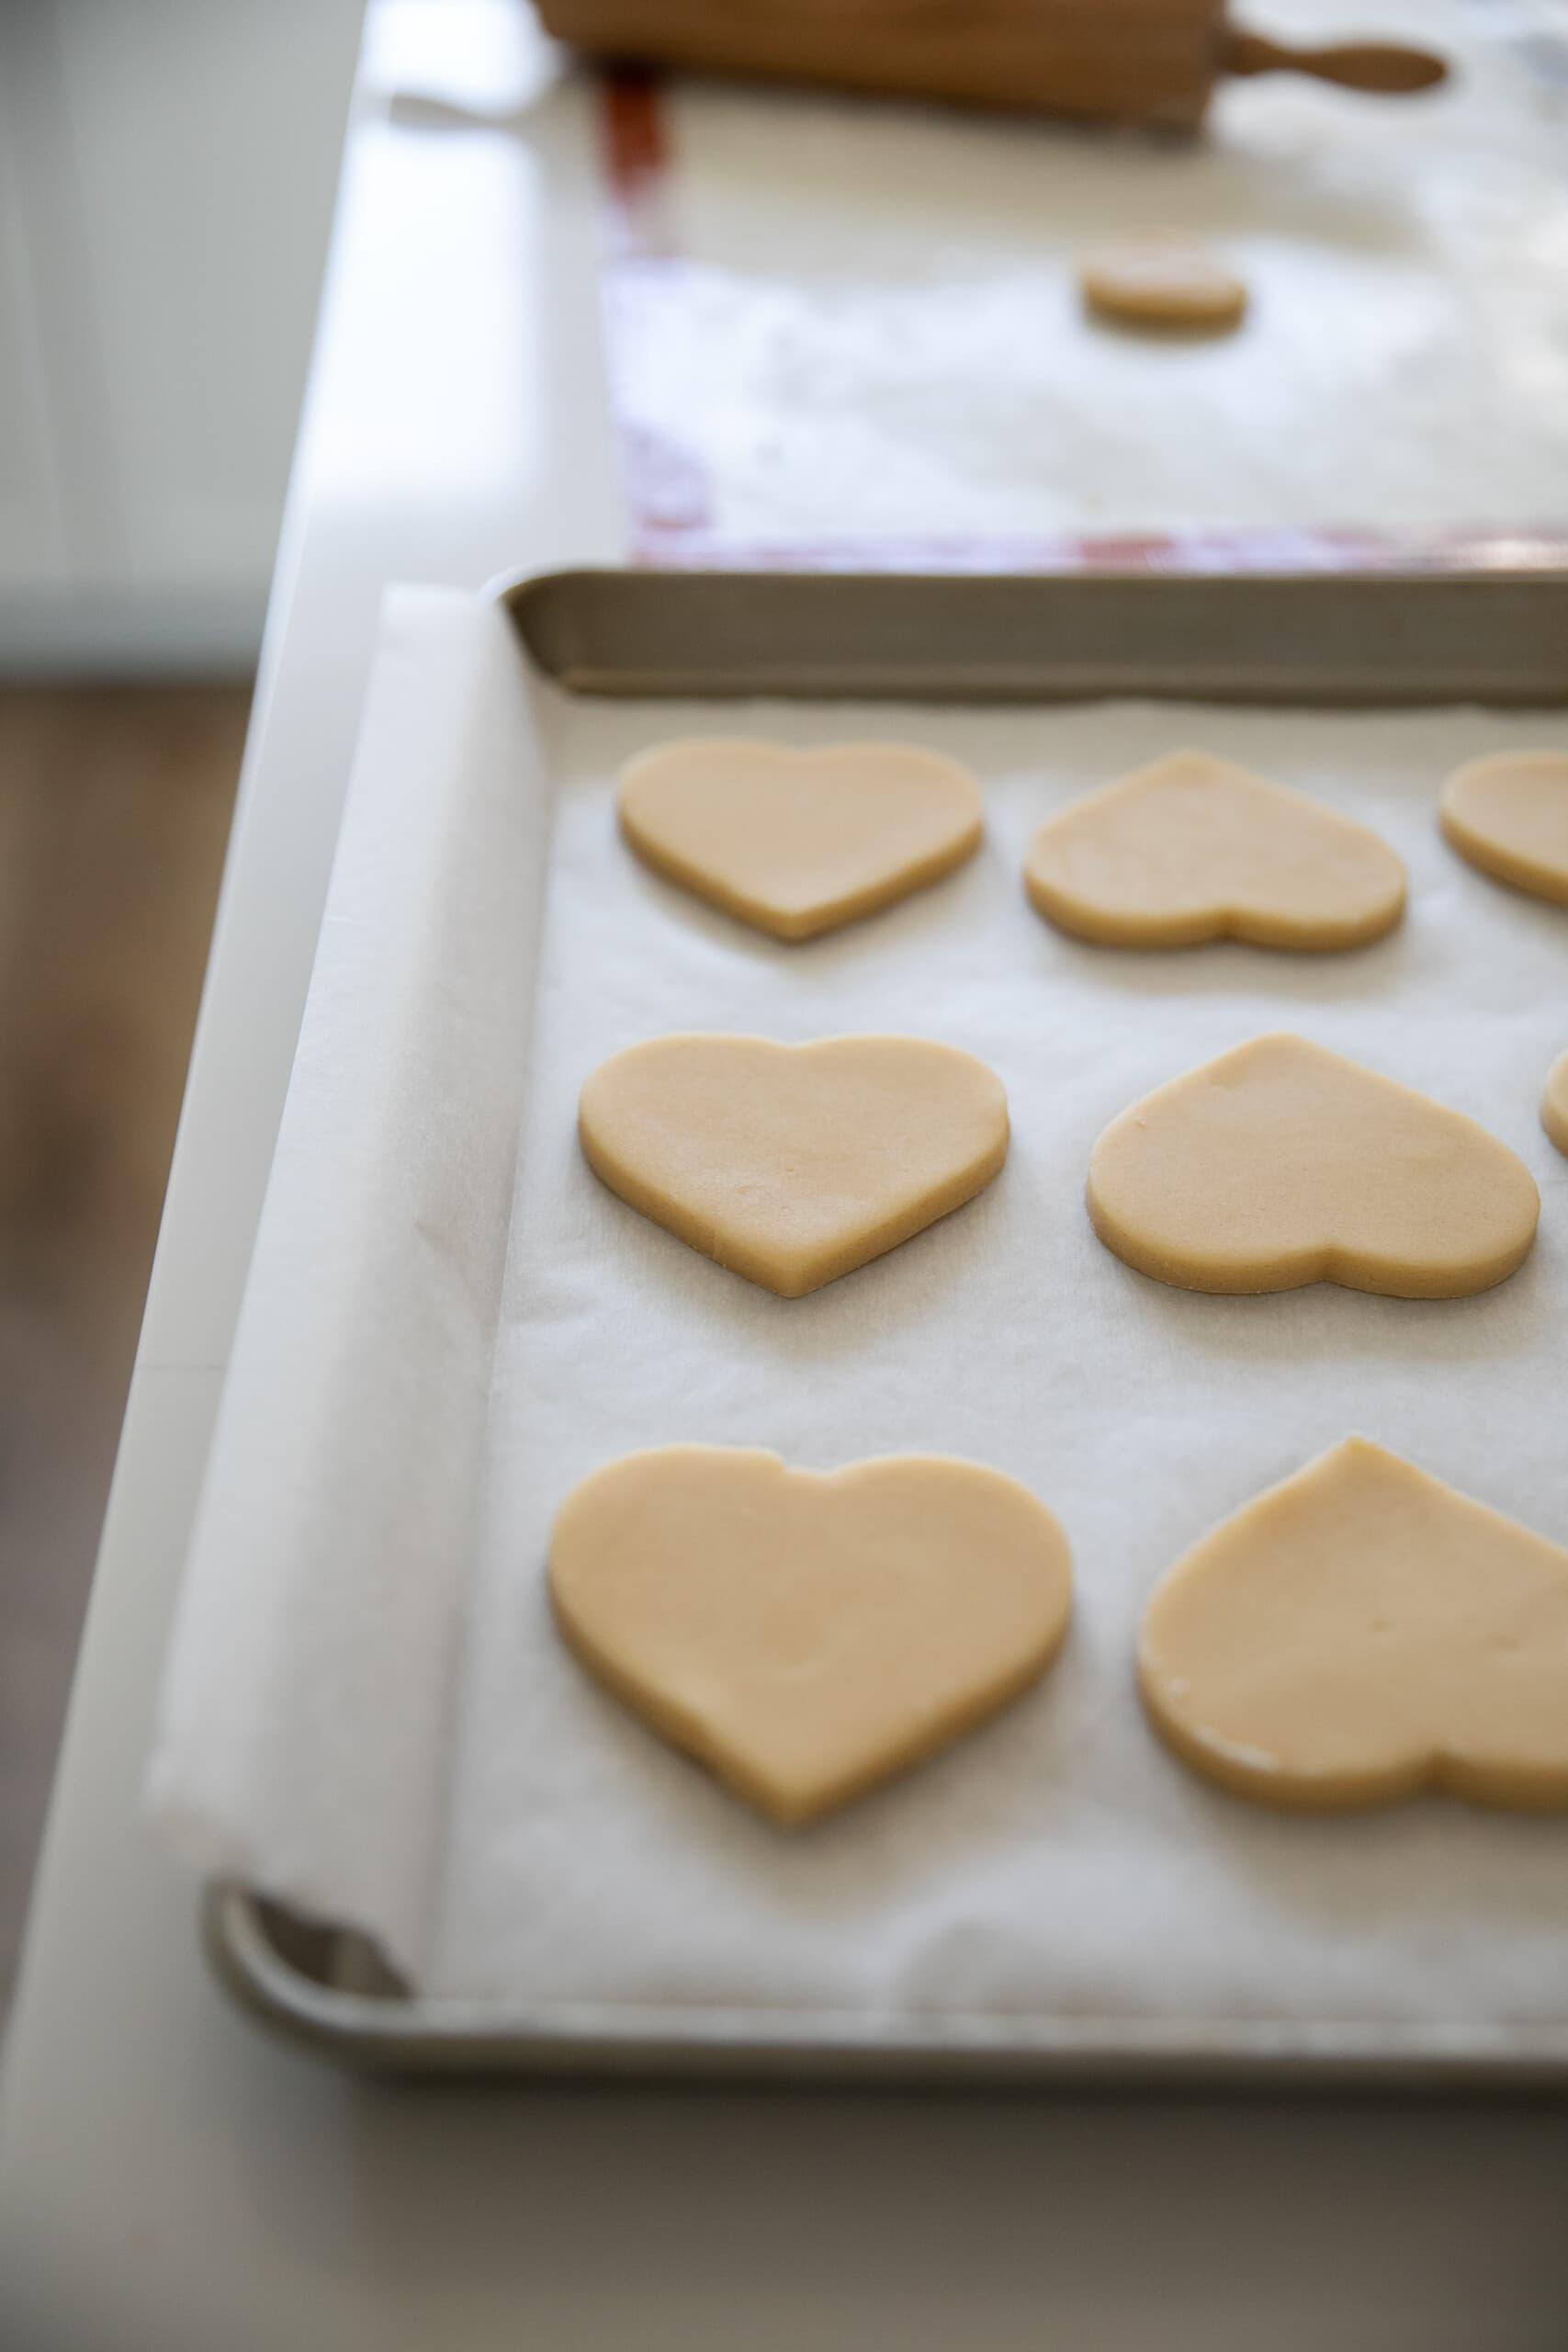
[
  {"x": 1499, "y": 637},
  {"x": 384, "y": 2032}
]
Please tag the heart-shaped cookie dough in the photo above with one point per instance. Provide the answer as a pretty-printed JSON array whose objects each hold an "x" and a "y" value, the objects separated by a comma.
[
  {"x": 793, "y": 1164},
  {"x": 1192, "y": 848},
  {"x": 1282, "y": 1163},
  {"x": 1508, "y": 814},
  {"x": 1554, "y": 1102},
  {"x": 1160, "y": 282},
  {"x": 797, "y": 843},
  {"x": 804, "y": 1634},
  {"x": 1360, "y": 1632}
]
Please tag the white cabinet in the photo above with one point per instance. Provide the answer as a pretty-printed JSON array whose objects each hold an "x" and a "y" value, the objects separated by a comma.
[
  {"x": 32, "y": 528},
  {"x": 166, "y": 176}
]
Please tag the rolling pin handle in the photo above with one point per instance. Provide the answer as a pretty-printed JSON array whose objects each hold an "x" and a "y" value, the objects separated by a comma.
[{"x": 1387, "y": 69}]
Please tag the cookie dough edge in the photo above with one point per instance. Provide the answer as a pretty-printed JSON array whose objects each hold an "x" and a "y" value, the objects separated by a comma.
[
  {"x": 1554, "y": 1103},
  {"x": 1485, "y": 857}
]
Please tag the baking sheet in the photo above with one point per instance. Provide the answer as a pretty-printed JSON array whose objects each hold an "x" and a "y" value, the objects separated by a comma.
[
  {"x": 1057, "y": 1864},
  {"x": 862, "y": 318}
]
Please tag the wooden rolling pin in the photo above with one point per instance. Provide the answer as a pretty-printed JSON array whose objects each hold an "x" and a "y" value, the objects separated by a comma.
[{"x": 1116, "y": 61}]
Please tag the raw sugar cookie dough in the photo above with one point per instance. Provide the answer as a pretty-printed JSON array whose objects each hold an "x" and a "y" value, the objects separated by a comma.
[
  {"x": 798, "y": 843},
  {"x": 1361, "y": 1631},
  {"x": 794, "y": 1164},
  {"x": 1508, "y": 815},
  {"x": 1158, "y": 282},
  {"x": 1193, "y": 848},
  {"x": 806, "y": 1633},
  {"x": 1280, "y": 1164},
  {"x": 1554, "y": 1102}
]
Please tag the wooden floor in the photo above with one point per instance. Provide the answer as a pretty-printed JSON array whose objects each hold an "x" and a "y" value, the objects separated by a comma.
[{"x": 114, "y": 812}]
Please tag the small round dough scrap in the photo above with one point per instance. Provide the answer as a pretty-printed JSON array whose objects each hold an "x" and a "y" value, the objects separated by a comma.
[
  {"x": 806, "y": 1633},
  {"x": 1194, "y": 848},
  {"x": 1361, "y": 1631},
  {"x": 797, "y": 843},
  {"x": 1554, "y": 1102},
  {"x": 1281, "y": 1164},
  {"x": 794, "y": 1164},
  {"x": 1508, "y": 814},
  {"x": 1162, "y": 282}
]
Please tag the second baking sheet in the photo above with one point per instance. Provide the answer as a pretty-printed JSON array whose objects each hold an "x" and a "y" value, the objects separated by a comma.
[{"x": 1058, "y": 1863}]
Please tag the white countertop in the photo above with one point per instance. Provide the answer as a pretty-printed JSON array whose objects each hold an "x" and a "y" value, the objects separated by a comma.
[{"x": 170, "y": 2180}]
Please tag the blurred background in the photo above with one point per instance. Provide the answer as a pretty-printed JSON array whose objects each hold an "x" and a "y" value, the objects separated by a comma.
[{"x": 166, "y": 179}]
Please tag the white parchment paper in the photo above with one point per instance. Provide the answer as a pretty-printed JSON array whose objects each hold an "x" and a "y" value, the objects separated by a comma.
[
  {"x": 305, "y": 1719},
  {"x": 1057, "y": 1862}
]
